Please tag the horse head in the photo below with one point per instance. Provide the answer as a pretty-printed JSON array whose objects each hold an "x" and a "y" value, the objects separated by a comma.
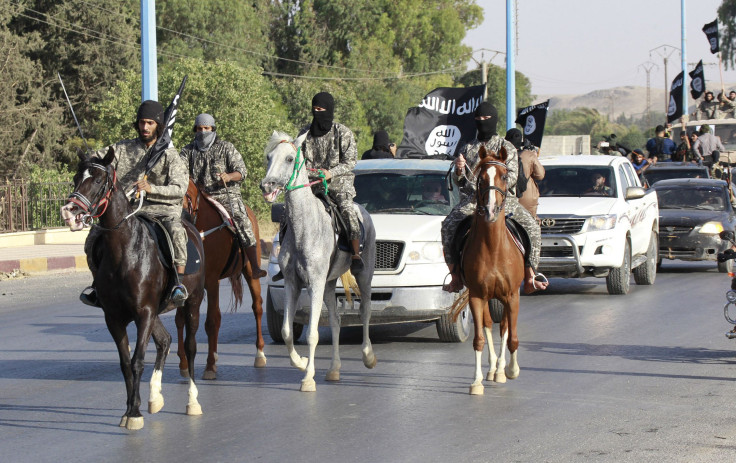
[
  {"x": 93, "y": 184},
  {"x": 492, "y": 186},
  {"x": 281, "y": 155}
]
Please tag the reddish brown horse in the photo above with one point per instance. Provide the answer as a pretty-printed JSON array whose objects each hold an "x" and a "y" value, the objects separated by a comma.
[
  {"x": 224, "y": 258},
  {"x": 493, "y": 268}
]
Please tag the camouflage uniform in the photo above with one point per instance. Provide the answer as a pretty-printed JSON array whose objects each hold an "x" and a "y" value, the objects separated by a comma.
[
  {"x": 205, "y": 169},
  {"x": 467, "y": 205},
  {"x": 336, "y": 151},
  {"x": 168, "y": 181}
]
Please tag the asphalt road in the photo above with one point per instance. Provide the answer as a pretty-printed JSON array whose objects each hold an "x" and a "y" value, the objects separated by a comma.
[{"x": 645, "y": 377}]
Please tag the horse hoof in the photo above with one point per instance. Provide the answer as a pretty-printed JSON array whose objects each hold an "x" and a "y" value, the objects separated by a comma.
[
  {"x": 512, "y": 373},
  {"x": 308, "y": 385},
  {"x": 123, "y": 421},
  {"x": 260, "y": 362},
  {"x": 184, "y": 373},
  {"x": 209, "y": 374},
  {"x": 194, "y": 409},
  {"x": 301, "y": 364},
  {"x": 500, "y": 377},
  {"x": 476, "y": 389},
  {"x": 155, "y": 406},
  {"x": 134, "y": 423},
  {"x": 333, "y": 375},
  {"x": 370, "y": 360},
  {"x": 489, "y": 376}
]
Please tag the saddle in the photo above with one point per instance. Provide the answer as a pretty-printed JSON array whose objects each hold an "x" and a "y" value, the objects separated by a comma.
[
  {"x": 517, "y": 232},
  {"x": 224, "y": 214},
  {"x": 165, "y": 247}
]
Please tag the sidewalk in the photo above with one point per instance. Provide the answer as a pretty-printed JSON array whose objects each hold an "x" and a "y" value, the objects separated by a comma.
[{"x": 43, "y": 258}]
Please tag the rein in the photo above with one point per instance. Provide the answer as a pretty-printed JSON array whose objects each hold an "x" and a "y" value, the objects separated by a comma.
[
  {"x": 104, "y": 194},
  {"x": 481, "y": 208},
  {"x": 298, "y": 164}
]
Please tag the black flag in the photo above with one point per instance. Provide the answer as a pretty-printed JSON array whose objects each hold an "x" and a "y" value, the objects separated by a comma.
[
  {"x": 164, "y": 141},
  {"x": 697, "y": 81},
  {"x": 674, "y": 110},
  {"x": 441, "y": 123},
  {"x": 711, "y": 31},
  {"x": 532, "y": 120}
]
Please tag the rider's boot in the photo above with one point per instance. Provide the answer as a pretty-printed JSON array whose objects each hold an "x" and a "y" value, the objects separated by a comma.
[
  {"x": 356, "y": 264},
  {"x": 90, "y": 298},
  {"x": 255, "y": 266},
  {"x": 455, "y": 285},
  {"x": 179, "y": 293}
]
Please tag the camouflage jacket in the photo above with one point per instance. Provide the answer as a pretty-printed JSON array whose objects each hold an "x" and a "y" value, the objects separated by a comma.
[
  {"x": 470, "y": 153},
  {"x": 205, "y": 166},
  {"x": 168, "y": 178},
  {"x": 335, "y": 151}
]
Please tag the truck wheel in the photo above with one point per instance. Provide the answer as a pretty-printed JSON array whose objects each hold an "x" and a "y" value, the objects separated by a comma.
[
  {"x": 275, "y": 321},
  {"x": 647, "y": 272},
  {"x": 725, "y": 267},
  {"x": 619, "y": 279},
  {"x": 458, "y": 331},
  {"x": 496, "y": 310}
]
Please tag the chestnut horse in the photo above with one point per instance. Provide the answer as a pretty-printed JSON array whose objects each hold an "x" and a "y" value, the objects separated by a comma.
[
  {"x": 493, "y": 268},
  {"x": 132, "y": 283},
  {"x": 223, "y": 259}
]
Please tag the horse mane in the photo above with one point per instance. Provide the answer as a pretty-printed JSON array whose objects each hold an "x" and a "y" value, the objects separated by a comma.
[{"x": 276, "y": 139}]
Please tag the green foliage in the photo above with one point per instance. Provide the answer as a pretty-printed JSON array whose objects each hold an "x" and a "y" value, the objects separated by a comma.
[
  {"x": 245, "y": 106},
  {"x": 588, "y": 121},
  {"x": 727, "y": 23}
]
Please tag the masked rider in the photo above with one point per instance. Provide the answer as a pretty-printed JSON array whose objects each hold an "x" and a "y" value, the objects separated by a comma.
[
  {"x": 486, "y": 118},
  {"x": 218, "y": 167},
  {"x": 165, "y": 186}
]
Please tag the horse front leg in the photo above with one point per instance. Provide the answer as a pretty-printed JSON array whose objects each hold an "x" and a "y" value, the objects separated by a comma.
[
  {"x": 162, "y": 338},
  {"x": 191, "y": 322},
  {"x": 488, "y": 331},
  {"x": 500, "y": 376},
  {"x": 333, "y": 374},
  {"x": 180, "y": 351},
  {"x": 316, "y": 293},
  {"x": 254, "y": 285},
  {"x": 476, "y": 308},
  {"x": 145, "y": 327},
  {"x": 120, "y": 336},
  {"x": 369, "y": 357},
  {"x": 512, "y": 314},
  {"x": 212, "y": 327},
  {"x": 292, "y": 298}
]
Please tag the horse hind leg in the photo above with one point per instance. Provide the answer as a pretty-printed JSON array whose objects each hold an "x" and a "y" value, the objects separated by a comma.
[
  {"x": 212, "y": 327},
  {"x": 180, "y": 351},
  {"x": 513, "y": 370},
  {"x": 254, "y": 285},
  {"x": 369, "y": 357},
  {"x": 162, "y": 339},
  {"x": 492, "y": 358},
  {"x": 500, "y": 376},
  {"x": 191, "y": 317},
  {"x": 333, "y": 374}
]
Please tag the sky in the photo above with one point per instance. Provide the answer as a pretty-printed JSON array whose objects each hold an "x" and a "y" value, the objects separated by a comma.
[{"x": 577, "y": 46}]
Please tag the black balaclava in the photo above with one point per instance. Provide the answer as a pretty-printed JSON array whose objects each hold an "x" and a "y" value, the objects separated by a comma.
[
  {"x": 380, "y": 141},
  {"x": 514, "y": 137},
  {"x": 486, "y": 128},
  {"x": 322, "y": 120}
]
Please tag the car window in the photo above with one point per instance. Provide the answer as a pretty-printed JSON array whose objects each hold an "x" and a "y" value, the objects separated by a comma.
[
  {"x": 399, "y": 193},
  {"x": 625, "y": 180},
  {"x": 633, "y": 177},
  {"x": 578, "y": 181},
  {"x": 693, "y": 198}
]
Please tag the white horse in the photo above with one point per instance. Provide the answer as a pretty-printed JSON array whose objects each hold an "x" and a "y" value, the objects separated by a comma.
[{"x": 309, "y": 256}]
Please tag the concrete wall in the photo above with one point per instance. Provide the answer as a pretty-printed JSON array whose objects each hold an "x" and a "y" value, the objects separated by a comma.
[
  {"x": 555, "y": 145},
  {"x": 50, "y": 236}
]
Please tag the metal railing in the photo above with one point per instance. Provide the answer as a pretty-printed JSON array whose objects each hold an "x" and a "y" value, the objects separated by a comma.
[{"x": 31, "y": 206}]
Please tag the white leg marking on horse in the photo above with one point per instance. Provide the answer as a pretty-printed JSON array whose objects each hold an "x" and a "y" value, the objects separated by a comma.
[
  {"x": 492, "y": 357},
  {"x": 500, "y": 367},
  {"x": 477, "y": 387},
  {"x": 333, "y": 374},
  {"x": 512, "y": 370},
  {"x": 155, "y": 399},
  {"x": 193, "y": 407},
  {"x": 260, "y": 361}
]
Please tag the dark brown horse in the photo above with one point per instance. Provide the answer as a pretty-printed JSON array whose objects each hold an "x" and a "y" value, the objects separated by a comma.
[
  {"x": 493, "y": 268},
  {"x": 132, "y": 283},
  {"x": 224, "y": 258}
]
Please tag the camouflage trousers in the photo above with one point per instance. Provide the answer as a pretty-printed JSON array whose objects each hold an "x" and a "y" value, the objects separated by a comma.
[
  {"x": 512, "y": 207},
  {"x": 172, "y": 223},
  {"x": 349, "y": 214},
  {"x": 240, "y": 217}
]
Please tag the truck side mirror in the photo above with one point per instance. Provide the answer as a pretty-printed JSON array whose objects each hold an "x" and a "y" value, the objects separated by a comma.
[{"x": 635, "y": 192}]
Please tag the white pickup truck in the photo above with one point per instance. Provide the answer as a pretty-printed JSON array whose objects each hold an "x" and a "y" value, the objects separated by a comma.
[{"x": 598, "y": 221}]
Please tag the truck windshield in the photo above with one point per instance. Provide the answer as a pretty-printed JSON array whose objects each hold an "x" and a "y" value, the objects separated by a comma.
[
  {"x": 701, "y": 198},
  {"x": 419, "y": 193},
  {"x": 578, "y": 181},
  {"x": 656, "y": 174}
]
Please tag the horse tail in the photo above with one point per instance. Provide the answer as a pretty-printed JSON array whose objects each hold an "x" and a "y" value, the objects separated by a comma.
[
  {"x": 236, "y": 297},
  {"x": 459, "y": 304}
]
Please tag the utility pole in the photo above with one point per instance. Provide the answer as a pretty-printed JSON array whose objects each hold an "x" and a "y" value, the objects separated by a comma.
[
  {"x": 149, "y": 69},
  {"x": 664, "y": 52},
  {"x": 648, "y": 66},
  {"x": 484, "y": 67},
  {"x": 683, "y": 55},
  {"x": 510, "y": 66}
]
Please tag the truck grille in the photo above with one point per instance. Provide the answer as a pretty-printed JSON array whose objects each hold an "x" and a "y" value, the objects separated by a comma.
[
  {"x": 556, "y": 225},
  {"x": 675, "y": 231},
  {"x": 388, "y": 254},
  {"x": 556, "y": 251}
]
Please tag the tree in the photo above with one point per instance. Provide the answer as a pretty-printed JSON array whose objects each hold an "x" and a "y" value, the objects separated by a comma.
[
  {"x": 244, "y": 104},
  {"x": 727, "y": 42}
]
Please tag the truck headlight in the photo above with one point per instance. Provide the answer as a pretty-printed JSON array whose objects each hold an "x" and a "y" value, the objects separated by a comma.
[
  {"x": 602, "y": 222},
  {"x": 425, "y": 252},
  {"x": 274, "y": 258},
  {"x": 711, "y": 228}
]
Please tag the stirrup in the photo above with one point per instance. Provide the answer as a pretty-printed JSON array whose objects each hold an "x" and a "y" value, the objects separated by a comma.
[
  {"x": 89, "y": 298},
  {"x": 450, "y": 288},
  {"x": 179, "y": 295},
  {"x": 539, "y": 277}
]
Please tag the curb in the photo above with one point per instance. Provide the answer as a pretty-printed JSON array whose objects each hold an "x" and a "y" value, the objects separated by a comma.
[{"x": 36, "y": 265}]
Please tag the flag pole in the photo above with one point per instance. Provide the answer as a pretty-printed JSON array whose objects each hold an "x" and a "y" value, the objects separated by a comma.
[{"x": 720, "y": 68}]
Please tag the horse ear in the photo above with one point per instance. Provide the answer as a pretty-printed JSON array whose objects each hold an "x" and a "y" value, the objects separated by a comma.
[
  {"x": 82, "y": 155},
  {"x": 300, "y": 139},
  {"x": 503, "y": 154},
  {"x": 109, "y": 157},
  {"x": 482, "y": 152}
]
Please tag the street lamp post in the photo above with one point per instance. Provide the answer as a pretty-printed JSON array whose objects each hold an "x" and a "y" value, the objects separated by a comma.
[{"x": 149, "y": 70}]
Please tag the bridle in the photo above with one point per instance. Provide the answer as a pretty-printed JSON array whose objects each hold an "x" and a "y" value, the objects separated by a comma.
[
  {"x": 482, "y": 192},
  {"x": 102, "y": 196},
  {"x": 298, "y": 164}
]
